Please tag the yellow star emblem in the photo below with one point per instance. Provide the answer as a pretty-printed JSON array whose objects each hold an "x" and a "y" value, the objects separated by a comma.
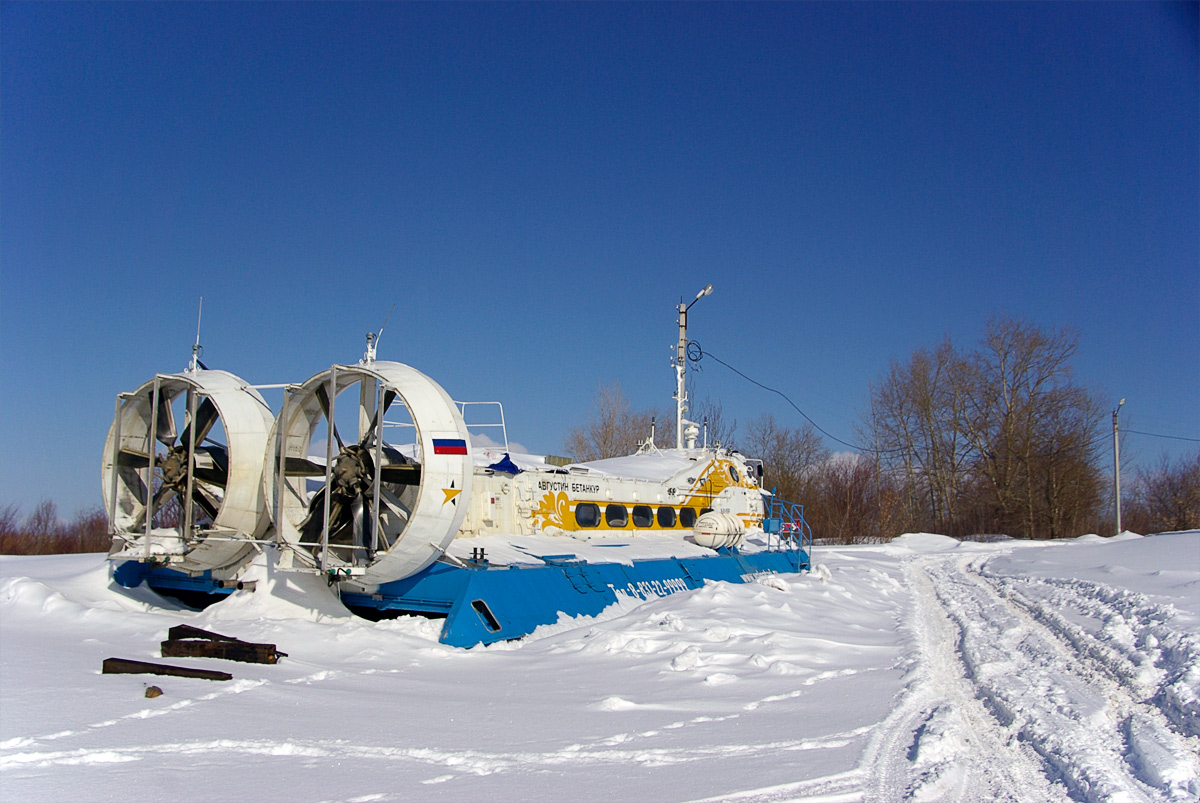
[{"x": 451, "y": 493}]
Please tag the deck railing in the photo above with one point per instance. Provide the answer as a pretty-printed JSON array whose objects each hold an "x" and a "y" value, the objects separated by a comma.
[{"x": 785, "y": 525}]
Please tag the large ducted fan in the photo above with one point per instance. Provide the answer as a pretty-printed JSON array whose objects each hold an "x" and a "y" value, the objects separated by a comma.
[
  {"x": 187, "y": 498},
  {"x": 368, "y": 473}
]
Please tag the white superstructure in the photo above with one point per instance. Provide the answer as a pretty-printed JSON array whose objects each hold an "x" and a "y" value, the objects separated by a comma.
[{"x": 652, "y": 491}]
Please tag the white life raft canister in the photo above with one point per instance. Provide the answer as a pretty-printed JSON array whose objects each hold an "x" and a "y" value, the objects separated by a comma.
[{"x": 716, "y": 530}]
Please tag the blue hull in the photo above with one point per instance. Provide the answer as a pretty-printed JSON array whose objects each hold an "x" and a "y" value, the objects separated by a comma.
[
  {"x": 132, "y": 573},
  {"x": 484, "y": 604}
]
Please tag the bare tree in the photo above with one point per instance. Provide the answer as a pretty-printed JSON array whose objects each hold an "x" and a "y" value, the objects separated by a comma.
[
  {"x": 845, "y": 507},
  {"x": 791, "y": 457},
  {"x": 10, "y": 514},
  {"x": 88, "y": 531},
  {"x": 42, "y": 523},
  {"x": 720, "y": 431},
  {"x": 1166, "y": 497},
  {"x": 1033, "y": 430},
  {"x": 42, "y": 533},
  {"x": 612, "y": 430},
  {"x": 917, "y": 421},
  {"x": 998, "y": 438}
]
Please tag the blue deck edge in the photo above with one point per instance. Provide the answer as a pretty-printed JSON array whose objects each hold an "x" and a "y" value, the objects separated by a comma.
[{"x": 485, "y": 604}]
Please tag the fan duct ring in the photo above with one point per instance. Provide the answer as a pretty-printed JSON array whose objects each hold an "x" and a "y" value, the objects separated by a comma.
[
  {"x": 347, "y": 502},
  {"x": 224, "y": 480}
]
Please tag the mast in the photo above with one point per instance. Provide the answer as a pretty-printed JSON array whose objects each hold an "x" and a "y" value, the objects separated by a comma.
[{"x": 680, "y": 362}]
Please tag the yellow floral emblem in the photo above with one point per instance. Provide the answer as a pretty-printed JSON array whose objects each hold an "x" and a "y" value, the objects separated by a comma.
[{"x": 552, "y": 511}]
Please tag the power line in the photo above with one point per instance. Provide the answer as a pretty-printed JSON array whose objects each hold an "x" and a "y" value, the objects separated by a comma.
[
  {"x": 695, "y": 353},
  {"x": 1156, "y": 435}
]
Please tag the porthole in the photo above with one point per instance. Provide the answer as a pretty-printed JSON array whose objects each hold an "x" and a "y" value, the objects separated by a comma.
[
  {"x": 643, "y": 516},
  {"x": 587, "y": 515},
  {"x": 687, "y": 516},
  {"x": 616, "y": 515},
  {"x": 666, "y": 516},
  {"x": 733, "y": 472}
]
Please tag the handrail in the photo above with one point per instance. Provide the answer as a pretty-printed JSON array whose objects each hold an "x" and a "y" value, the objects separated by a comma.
[{"x": 785, "y": 525}]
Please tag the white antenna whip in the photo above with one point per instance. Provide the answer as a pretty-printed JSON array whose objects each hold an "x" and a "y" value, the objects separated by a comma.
[
  {"x": 373, "y": 339},
  {"x": 197, "y": 349}
]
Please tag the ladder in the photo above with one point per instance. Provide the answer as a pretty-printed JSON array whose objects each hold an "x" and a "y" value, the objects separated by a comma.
[{"x": 785, "y": 525}]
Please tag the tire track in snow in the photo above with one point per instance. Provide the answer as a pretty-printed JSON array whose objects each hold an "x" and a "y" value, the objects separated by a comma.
[
  {"x": 1140, "y": 649},
  {"x": 940, "y": 743},
  {"x": 464, "y": 761},
  {"x": 184, "y": 704},
  {"x": 1090, "y": 729}
]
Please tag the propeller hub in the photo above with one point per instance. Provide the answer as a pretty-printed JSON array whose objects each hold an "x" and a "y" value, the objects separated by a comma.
[
  {"x": 352, "y": 471},
  {"x": 174, "y": 467}
]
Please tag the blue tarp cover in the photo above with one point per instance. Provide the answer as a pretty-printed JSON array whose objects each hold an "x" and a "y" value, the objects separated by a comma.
[{"x": 506, "y": 465}]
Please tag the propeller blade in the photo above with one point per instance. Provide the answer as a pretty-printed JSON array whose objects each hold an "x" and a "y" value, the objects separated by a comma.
[
  {"x": 357, "y": 520},
  {"x": 135, "y": 485},
  {"x": 337, "y": 521},
  {"x": 165, "y": 423},
  {"x": 211, "y": 464},
  {"x": 401, "y": 474},
  {"x": 201, "y": 499},
  {"x": 206, "y": 416},
  {"x": 394, "y": 504},
  {"x": 161, "y": 497},
  {"x": 127, "y": 458},
  {"x": 302, "y": 467},
  {"x": 323, "y": 398},
  {"x": 389, "y": 396},
  {"x": 397, "y": 508},
  {"x": 312, "y": 523},
  {"x": 212, "y": 476},
  {"x": 310, "y": 528}
]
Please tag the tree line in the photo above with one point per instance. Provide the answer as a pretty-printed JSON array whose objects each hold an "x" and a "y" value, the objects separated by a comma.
[
  {"x": 42, "y": 532},
  {"x": 996, "y": 438}
]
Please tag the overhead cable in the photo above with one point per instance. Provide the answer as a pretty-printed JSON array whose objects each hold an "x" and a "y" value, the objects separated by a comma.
[
  {"x": 1156, "y": 435},
  {"x": 695, "y": 353}
]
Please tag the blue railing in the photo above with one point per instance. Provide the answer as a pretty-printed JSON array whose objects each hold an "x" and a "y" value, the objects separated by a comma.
[{"x": 785, "y": 525}]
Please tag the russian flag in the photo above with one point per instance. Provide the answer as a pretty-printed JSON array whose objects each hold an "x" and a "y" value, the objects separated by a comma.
[{"x": 449, "y": 446}]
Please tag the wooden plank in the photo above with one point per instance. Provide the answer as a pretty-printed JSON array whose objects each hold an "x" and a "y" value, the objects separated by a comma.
[
  {"x": 187, "y": 631},
  {"x": 228, "y": 650},
  {"x": 124, "y": 666}
]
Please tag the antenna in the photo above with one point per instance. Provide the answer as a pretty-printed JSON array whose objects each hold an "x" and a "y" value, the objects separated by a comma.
[
  {"x": 373, "y": 339},
  {"x": 197, "y": 349}
]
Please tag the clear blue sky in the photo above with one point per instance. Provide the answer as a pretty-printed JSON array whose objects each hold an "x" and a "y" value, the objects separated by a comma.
[{"x": 535, "y": 186}]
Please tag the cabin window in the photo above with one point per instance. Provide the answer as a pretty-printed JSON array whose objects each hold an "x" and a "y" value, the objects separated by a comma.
[
  {"x": 733, "y": 472},
  {"x": 587, "y": 515},
  {"x": 643, "y": 516},
  {"x": 687, "y": 516},
  {"x": 666, "y": 516},
  {"x": 616, "y": 515}
]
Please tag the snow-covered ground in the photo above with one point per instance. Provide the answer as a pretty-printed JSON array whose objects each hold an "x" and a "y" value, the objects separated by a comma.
[{"x": 923, "y": 669}]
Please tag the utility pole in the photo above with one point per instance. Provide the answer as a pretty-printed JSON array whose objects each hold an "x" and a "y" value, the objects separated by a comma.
[
  {"x": 1117, "y": 467},
  {"x": 680, "y": 366}
]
